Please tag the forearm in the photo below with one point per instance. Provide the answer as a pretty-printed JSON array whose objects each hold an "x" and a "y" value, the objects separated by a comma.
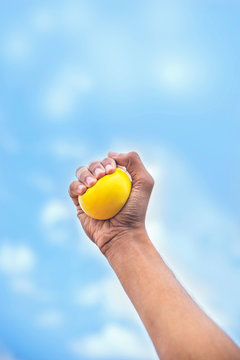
[{"x": 176, "y": 325}]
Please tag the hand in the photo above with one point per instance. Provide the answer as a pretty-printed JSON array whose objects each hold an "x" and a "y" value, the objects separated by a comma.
[{"x": 132, "y": 215}]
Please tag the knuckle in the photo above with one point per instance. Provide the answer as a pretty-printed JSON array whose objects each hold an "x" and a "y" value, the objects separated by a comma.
[
  {"x": 84, "y": 174},
  {"x": 108, "y": 161},
  {"x": 134, "y": 155},
  {"x": 146, "y": 181},
  {"x": 79, "y": 170},
  {"x": 70, "y": 188},
  {"x": 150, "y": 180},
  {"x": 94, "y": 164}
]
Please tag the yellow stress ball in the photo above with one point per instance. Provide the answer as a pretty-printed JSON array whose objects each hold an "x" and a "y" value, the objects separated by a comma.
[{"x": 107, "y": 197}]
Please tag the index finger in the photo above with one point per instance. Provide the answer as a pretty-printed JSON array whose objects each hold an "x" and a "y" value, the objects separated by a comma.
[{"x": 76, "y": 188}]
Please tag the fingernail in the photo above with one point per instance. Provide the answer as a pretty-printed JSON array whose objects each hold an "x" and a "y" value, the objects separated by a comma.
[
  {"x": 90, "y": 181},
  {"x": 81, "y": 188},
  {"x": 108, "y": 168},
  {"x": 99, "y": 171},
  {"x": 113, "y": 153}
]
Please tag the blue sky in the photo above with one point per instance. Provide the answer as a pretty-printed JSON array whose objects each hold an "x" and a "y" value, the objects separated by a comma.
[{"x": 79, "y": 79}]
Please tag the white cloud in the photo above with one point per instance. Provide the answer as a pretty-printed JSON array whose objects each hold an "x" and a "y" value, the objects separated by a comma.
[
  {"x": 5, "y": 355},
  {"x": 176, "y": 74},
  {"x": 68, "y": 17},
  {"x": 17, "y": 262},
  {"x": 109, "y": 294},
  {"x": 43, "y": 20},
  {"x": 25, "y": 286},
  {"x": 85, "y": 246},
  {"x": 55, "y": 210},
  {"x": 114, "y": 341},
  {"x": 40, "y": 181},
  {"x": 17, "y": 46},
  {"x": 76, "y": 16},
  {"x": 16, "y": 258},
  {"x": 167, "y": 19},
  {"x": 54, "y": 218},
  {"x": 49, "y": 319},
  {"x": 66, "y": 92},
  {"x": 74, "y": 149},
  {"x": 179, "y": 74},
  {"x": 8, "y": 142},
  {"x": 158, "y": 234}
]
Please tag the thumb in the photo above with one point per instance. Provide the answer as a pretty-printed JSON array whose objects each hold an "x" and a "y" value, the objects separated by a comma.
[{"x": 135, "y": 167}]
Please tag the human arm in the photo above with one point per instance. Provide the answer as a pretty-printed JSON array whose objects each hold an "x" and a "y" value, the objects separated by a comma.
[
  {"x": 179, "y": 329},
  {"x": 177, "y": 326}
]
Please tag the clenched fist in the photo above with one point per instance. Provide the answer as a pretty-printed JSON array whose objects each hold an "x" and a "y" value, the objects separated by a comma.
[{"x": 132, "y": 216}]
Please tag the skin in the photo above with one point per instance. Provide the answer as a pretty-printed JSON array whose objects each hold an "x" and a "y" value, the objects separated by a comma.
[{"x": 178, "y": 328}]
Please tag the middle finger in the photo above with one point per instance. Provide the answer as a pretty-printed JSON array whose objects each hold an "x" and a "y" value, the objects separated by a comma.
[{"x": 85, "y": 176}]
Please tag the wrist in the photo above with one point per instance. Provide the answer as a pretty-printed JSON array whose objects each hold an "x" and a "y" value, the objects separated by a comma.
[{"x": 122, "y": 242}]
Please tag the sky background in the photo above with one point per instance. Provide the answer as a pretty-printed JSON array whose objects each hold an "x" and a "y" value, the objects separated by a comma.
[{"x": 79, "y": 79}]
